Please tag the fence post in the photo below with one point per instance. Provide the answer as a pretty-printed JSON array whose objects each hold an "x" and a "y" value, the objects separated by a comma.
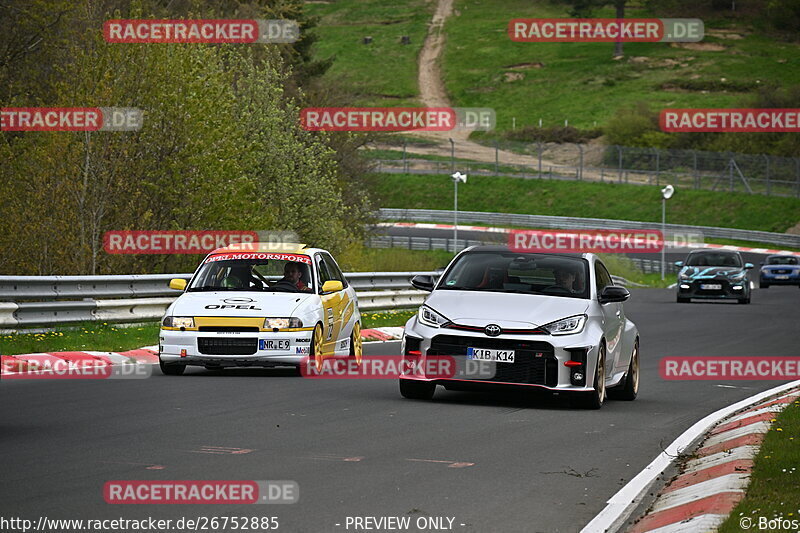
[
  {"x": 619, "y": 167},
  {"x": 766, "y": 160},
  {"x": 658, "y": 166},
  {"x": 696, "y": 175},
  {"x": 496, "y": 158},
  {"x": 452, "y": 155},
  {"x": 541, "y": 149},
  {"x": 797, "y": 176},
  {"x": 405, "y": 161},
  {"x": 730, "y": 173},
  {"x": 580, "y": 168}
]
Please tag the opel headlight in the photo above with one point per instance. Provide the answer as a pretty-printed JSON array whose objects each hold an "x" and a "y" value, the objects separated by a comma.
[
  {"x": 431, "y": 318},
  {"x": 566, "y": 326},
  {"x": 178, "y": 322},
  {"x": 282, "y": 323}
]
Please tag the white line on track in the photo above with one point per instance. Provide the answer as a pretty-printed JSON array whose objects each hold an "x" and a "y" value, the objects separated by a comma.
[{"x": 621, "y": 504}]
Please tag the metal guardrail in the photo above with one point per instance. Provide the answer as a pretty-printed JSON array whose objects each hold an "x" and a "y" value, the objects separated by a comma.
[
  {"x": 541, "y": 221},
  {"x": 40, "y": 300},
  {"x": 375, "y": 290}
]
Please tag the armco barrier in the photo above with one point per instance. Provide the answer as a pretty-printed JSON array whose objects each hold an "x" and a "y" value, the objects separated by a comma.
[
  {"x": 375, "y": 290},
  {"x": 540, "y": 221},
  {"x": 38, "y": 300}
]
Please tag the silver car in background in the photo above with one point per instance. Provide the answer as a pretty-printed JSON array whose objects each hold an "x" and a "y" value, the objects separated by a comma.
[{"x": 550, "y": 321}]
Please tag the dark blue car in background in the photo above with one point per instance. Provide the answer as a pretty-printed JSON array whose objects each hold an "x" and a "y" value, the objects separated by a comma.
[
  {"x": 779, "y": 270},
  {"x": 714, "y": 275}
]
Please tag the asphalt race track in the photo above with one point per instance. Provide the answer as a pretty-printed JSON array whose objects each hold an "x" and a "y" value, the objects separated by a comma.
[{"x": 357, "y": 448}]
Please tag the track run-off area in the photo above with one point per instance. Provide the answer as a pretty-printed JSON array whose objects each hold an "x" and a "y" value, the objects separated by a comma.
[{"x": 490, "y": 461}]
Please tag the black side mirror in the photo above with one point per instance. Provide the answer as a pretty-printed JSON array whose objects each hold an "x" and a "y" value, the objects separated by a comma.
[
  {"x": 423, "y": 283},
  {"x": 613, "y": 293}
]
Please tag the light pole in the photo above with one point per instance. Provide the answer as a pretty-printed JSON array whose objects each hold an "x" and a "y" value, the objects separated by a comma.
[
  {"x": 458, "y": 176},
  {"x": 666, "y": 194}
]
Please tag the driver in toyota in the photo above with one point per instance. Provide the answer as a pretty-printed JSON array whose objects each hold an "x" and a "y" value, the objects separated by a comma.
[{"x": 565, "y": 278}]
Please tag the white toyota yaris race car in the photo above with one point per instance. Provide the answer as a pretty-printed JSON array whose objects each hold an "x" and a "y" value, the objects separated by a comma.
[{"x": 258, "y": 305}]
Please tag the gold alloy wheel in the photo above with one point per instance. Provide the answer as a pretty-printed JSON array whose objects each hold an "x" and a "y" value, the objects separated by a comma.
[
  {"x": 356, "y": 349},
  {"x": 317, "y": 346}
]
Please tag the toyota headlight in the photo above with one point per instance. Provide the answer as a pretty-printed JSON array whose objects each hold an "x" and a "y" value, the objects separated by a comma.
[
  {"x": 178, "y": 322},
  {"x": 566, "y": 326},
  {"x": 283, "y": 323},
  {"x": 431, "y": 318}
]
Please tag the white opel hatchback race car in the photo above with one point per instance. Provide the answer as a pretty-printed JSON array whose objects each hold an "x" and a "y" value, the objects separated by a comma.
[
  {"x": 549, "y": 321},
  {"x": 258, "y": 305}
]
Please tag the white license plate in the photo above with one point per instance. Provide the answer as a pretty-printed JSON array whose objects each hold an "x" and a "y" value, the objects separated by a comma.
[
  {"x": 273, "y": 344},
  {"x": 781, "y": 277},
  {"x": 711, "y": 286},
  {"x": 487, "y": 354}
]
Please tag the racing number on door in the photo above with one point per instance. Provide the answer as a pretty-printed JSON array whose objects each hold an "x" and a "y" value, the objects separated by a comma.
[{"x": 331, "y": 321}]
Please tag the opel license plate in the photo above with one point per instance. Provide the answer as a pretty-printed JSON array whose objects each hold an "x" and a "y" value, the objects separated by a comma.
[{"x": 273, "y": 344}]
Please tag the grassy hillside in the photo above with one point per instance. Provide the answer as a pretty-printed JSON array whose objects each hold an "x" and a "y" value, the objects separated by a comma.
[
  {"x": 582, "y": 83},
  {"x": 590, "y": 199},
  {"x": 383, "y": 73},
  {"x": 578, "y": 82}
]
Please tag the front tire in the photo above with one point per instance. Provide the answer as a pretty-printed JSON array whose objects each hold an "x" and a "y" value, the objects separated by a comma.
[
  {"x": 762, "y": 285},
  {"x": 417, "y": 390},
  {"x": 171, "y": 369},
  {"x": 595, "y": 398},
  {"x": 356, "y": 348},
  {"x": 316, "y": 348},
  {"x": 682, "y": 300},
  {"x": 745, "y": 300},
  {"x": 630, "y": 388}
]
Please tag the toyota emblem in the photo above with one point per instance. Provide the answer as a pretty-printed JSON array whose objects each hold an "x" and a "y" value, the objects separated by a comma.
[{"x": 493, "y": 330}]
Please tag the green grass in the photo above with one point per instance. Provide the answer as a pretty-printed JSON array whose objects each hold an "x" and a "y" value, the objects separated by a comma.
[
  {"x": 380, "y": 319},
  {"x": 774, "y": 490},
  {"x": 383, "y": 73},
  {"x": 580, "y": 82},
  {"x": 591, "y": 200},
  {"x": 100, "y": 337}
]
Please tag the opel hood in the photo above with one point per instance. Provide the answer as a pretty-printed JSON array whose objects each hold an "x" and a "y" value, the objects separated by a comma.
[{"x": 238, "y": 303}]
